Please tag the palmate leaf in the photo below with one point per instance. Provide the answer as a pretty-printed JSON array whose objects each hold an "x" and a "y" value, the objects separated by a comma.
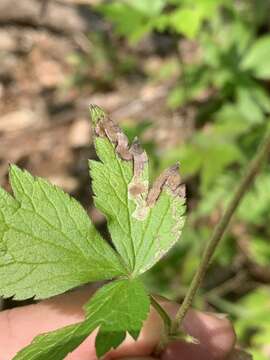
[
  {"x": 257, "y": 57},
  {"x": 144, "y": 224},
  {"x": 48, "y": 244},
  {"x": 47, "y": 241},
  {"x": 117, "y": 308}
]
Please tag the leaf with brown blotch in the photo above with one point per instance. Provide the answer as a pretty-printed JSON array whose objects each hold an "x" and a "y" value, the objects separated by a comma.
[{"x": 144, "y": 222}]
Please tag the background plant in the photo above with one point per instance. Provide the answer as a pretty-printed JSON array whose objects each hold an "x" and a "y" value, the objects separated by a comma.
[
  {"x": 226, "y": 81},
  {"x": 192, "y": 80}
]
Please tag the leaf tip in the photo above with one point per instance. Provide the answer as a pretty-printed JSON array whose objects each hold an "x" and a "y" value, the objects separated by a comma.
[
  {"x": 174, "y": 181},
  {"x": 96, "y": 114},
  {"x": 169, "y": 179},
  {"x": 13, "y": 169}
]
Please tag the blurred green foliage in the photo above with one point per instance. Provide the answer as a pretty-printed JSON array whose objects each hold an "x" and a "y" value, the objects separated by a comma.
[
  {"x": 227, "y": 81},
  {"x": 101, "y": 64}
]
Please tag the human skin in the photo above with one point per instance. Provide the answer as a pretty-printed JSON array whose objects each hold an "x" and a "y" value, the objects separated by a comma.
[{"x": 19, "y": 326}]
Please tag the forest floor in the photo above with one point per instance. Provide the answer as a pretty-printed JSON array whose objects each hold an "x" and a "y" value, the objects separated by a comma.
[{"x": 44, "y": 122}]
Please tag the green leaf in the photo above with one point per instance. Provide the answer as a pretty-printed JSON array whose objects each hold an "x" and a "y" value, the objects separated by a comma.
[
  {"x": 257, "y": 354},
  {"x": 187, "y": 21},
  {"x": 177, "y": 97},
  {"x": 262, "y": 97},
  {"x": 147, "y": 7},
  {"x": 230, "y": 122},
  {"x": 47, "y": 241},
  {"x": 189, "y": 157},
  {"x": 257, "y": 58},
  {"x": 57, "y": 344},
  {"x": 130, "y": 304},
  {"x": 144, "y": 224},
  {"x": 216, "y": 158},
  {"x": 129, "y": 22},
  {"x": 188, "y": 18},
  {"x": 117, "y": 308},
  {"x": 260, "y": 251},
  {"x": 209, "y": 154},
  {"x": 255, "y": 207},
  {"x": 49, "y": 245},
  {"x": 255, "y": 311},
  {"x": 249, "y": 106}
]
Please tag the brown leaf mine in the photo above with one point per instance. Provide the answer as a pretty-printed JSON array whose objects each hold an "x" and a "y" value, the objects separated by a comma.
[
  {"x": 171, "y": 179},
  {"x": 105, "y": 127},
  {"x": 138, "y": 189}
]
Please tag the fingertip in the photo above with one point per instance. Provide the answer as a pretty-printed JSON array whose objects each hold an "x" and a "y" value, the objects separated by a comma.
[
  {"x": 214, "y": 332},
  {"x": 137, "y": 358},
  {"x": 185, "y": 351}
]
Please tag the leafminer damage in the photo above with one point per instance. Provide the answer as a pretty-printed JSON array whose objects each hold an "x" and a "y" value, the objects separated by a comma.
[{"x": 139, "y": 191}]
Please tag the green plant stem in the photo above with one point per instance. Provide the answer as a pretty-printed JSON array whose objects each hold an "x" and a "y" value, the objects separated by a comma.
[
  {"x": 163, "y": 314},
  {"x": 167, "y": 326},
  {"x": 243, "y": 186}
]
